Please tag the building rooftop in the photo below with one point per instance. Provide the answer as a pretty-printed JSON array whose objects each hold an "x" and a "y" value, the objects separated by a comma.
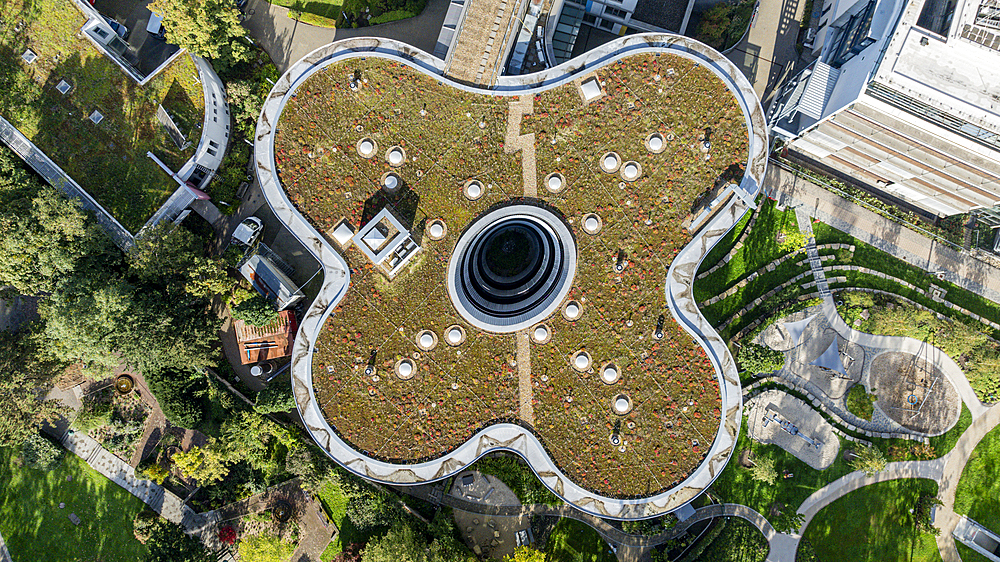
[
  {"x": 623, "y": 399},
  {"x": 107, "y": 157}
]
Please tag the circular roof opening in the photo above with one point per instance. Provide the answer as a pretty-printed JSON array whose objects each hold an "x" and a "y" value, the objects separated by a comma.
[
  {"x": 610, "y": 374},
  {"x": 582, "y": 361},
  {"x": 631, "y": 171},
  {"x": 512, "y": 268},
  {"x": 655, "y": 142},
  {"x": 436, "y": 230},
  {"x": 541, "y": 333},
  {"x": 555, "y": 183},
  {"x": 404, "y": 369},
  {"x": 426, "y": 340},
  {"x": 622, "y": 405}
]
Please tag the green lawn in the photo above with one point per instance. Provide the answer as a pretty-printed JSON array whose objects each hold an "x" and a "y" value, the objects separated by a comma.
[
  {"x": 329, "y": 13},
  {"x": 730, "y": 540},
  {"x": 978, "y": 492},
  {"x": 335, "y": 501},
  {"x": 859, "y": 402},
  {"x": 723, "y": 246},
  {"x": 873, "y": 524},
  {"x": 944, "y": 443},
  {"x": 759, "y": 249},
  {"x": 735, "y": 485},
  {"x": 35, "y": 529},
  {"x": 573, "y": 541}
]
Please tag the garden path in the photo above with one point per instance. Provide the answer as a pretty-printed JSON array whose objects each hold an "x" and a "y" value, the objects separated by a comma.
[
  {"x": 934, "y": 355},
  {"x": 946, "y": 519}
]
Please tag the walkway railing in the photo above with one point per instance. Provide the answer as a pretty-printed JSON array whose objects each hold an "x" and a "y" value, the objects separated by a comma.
[{"x": 60, "y": 180}]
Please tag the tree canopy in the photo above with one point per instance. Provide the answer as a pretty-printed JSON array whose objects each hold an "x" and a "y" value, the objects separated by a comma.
[
  {"x": 207, "y": 28},
  {"x": 26, "y": 369}
]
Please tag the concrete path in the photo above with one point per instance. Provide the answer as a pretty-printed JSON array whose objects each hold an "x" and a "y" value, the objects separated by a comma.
[
  {"x": 946, "y": 519},
  {"x": 161, "y": 500},
  {"x": 960, "y": 268},
  {"x": 287, "y": 40}
]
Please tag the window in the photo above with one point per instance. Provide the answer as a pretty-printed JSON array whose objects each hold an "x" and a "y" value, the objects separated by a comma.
[
  {"x": 590, "y": 19},
  {"x": 213, "y": 144},
  {"x": 615, "y": 12},
  {"x": 212, "y": 152},
  {"x": 606, "y": 24}
]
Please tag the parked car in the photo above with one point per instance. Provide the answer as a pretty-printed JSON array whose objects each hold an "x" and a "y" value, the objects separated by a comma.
[
  {"x": 248, "y": 231},
  {"x": 155, "y": 26},
  {"x": 118, "y": 28}
]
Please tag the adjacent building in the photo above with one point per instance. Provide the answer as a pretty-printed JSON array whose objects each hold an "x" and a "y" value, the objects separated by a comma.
[{"x": 903, "y": 99}]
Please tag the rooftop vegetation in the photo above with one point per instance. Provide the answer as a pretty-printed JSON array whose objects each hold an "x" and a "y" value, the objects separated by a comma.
[
  {"x": 451, "y": 136},
  {"x": 108, "y": 159}
]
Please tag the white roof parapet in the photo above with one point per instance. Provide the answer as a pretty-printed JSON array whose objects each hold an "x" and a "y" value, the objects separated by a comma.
[{"x": 678, "y": 287}]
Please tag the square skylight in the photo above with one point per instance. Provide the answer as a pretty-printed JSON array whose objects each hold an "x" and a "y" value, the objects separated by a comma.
[
  {"x": 591, "y": 89},
  {"x": 63, "y": 87},
  {"x": 29, "y": 56},
  {"x": 96, "y": 117}
]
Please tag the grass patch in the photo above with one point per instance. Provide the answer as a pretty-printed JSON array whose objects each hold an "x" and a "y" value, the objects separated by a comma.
[
  {"x": 736, "y": 485},
  {"x": 946, "y": 442},
  {"x": 873, "y": 524},
  {"x": 107, "y": 159},
  {"x": 519, "y": 478},
  {"x": 34, "y": 527},
  {"x": 759, "y": 249},
  {"x": 330, "y": 13},
  {"x": 978, "y": 492},
  {"x": 736, "y": 541},
  {"x": 335, "y": 502},
  {"x": 573, "y": 541},
  {"x": 723, "y": 246},
  {"x": 860, "y": 403}
]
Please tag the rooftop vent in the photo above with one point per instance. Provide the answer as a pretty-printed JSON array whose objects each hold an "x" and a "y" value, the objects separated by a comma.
[
  {"x": 96, "y": 117},
  {"x": 29, "y": 56},
  {"x": 63, "y": 87}
]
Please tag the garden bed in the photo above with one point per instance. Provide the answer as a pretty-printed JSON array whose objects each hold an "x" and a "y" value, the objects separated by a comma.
[
  {"x": 114, "y": 420},
  {"x": 107, "y": 159},
  {"x": 451, "y": 136}
]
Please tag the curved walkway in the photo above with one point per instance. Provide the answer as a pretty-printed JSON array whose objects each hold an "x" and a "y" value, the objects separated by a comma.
[
  {"x": 946, "y": 518},
  {"x": 4, "y": 553},
  {"x": 608, "y": 532}
]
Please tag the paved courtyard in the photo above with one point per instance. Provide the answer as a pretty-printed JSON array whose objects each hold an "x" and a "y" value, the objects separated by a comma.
[
  {"x": 784, "y": 420},
  {"x": 487, "y": 535}
]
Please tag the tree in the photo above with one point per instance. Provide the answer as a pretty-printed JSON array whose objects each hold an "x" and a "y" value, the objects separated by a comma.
[
  {"x": 276, "y": 397},
  {"x": 165, "y": 329},
  {"x": 81, "y": 320},
  {"x": 44, "y": 237},
  {"x": 763, "y": 470},
  {"x": 41, "y": 453},
  {"x": 525, "y": 553},
  {"x": 26, "y": 370},
  {"x": 403, "y": 543},
  {"x": 311, "y": 467},
  {"x": 259, "y": 441},
  {"x": 179, "y": 395},
  {"x": 168, "y": 543},
  {"x": 206, "y": 464},
  {"x": 868, "y": 460},
  {"x": 256, "y": 311},
  {"x": 161, "y": 253},
  {"x": 207, "y": 28},
  {"x": 207, "y": 278}
]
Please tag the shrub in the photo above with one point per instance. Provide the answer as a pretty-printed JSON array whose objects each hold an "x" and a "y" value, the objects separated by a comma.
[
  {"x": 40, "y": 453},
  {"x": 256, "y": 311},
  {"x": 859, "y": 402},
  {"x": 868, "y": 460},
  {"x": 179, "y": 395},
  {"x": 763, "y": 470},
  {"x": 96, "y": 412},
  {"x": 227, "y": 535},
  {"x": 144, "y": 523},
  {"x": 265, "y": 548},
  {"x": 277, "y": 397},
  {"x": 155, "y": 472},
  {"x": 756, "y": 358}
]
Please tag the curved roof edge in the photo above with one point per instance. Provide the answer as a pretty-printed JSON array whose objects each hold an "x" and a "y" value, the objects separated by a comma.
[{"x": 678, "y": 286}]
